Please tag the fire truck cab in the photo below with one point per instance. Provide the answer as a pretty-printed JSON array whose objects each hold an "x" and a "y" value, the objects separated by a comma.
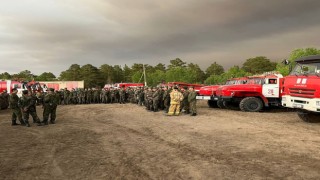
[{"x": 301, "y": 89}]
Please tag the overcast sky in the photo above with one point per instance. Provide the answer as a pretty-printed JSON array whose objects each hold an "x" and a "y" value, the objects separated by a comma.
[{"x": 50, "y": 35}]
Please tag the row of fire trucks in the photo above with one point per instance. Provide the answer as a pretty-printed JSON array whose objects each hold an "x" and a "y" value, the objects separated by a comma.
[{"x": 299, "y": 90}]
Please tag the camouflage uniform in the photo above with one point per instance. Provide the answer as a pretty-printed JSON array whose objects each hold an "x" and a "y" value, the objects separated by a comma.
[
  {"x": 50, "y": 107},
  {"x": 122, "y": 95},
  {"x": 155, "y": 100},
  {"x": 27, "y": 108},
  {"x": 150, "y": 99},
  {"x": 185, "y": 103},
  {"x": 192, "y": 100},
  {"x": 15, "y": 109}
]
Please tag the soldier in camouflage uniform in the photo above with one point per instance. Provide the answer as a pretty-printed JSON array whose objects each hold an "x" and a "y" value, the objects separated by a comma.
[
  {"x": 25, "y": 102},
  {"x": 122, "y": 95},
  {"x": 33, "y": 109},
  {"x": 50, "y": 107},
  {"x": 193, "y": 101},
  {"x": 185, "y": 104},
  {"x": 150, "y": 99},
  {"x": 15, "y": 108},
  {"x": 155, "y": 99},
  {"x": 66, "y": 94},
  {"x": 141, "y": 96},
  {"x": 166, "y": 99}
]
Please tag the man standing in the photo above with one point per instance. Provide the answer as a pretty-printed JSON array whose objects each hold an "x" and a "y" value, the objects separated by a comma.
[
  {"x": 25, "y": 102},
  {"x": 185, "y": 103},
  {"x": 155, "y": 99},
  {"x": 175, "y": 99},
  {"x": 192, "y": 101},
  {"x": 32, "y": 110},
  {"x": 122, "y": 94},
  {"x": 14, "y": 106},
  {"x": 50, "y": 107}
]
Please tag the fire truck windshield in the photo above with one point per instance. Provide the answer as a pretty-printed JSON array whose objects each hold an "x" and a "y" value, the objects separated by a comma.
[{"x": 306, "y": 69}]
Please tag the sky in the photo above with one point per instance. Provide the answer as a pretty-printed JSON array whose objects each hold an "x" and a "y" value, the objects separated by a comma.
[{"x": 50, "y": 35}]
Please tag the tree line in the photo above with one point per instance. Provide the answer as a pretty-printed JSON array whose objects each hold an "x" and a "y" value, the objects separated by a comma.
[{"x": 177, "y": 70}]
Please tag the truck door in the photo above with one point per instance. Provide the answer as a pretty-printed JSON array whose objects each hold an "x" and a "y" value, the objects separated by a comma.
[{"x": 271, "y": 88}]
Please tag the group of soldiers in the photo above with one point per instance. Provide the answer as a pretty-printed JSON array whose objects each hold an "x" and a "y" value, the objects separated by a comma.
[
  {"x": 171, "y": 100},
  {"x": 23, "y": 107},
  {"x": 153, "y": 98}
]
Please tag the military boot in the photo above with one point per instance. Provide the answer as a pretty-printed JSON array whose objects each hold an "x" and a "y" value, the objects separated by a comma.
[
  {"x": 52, "y": 121},
  {"x": 14, "y": 123},
  {"x": 22, "y": 123}
]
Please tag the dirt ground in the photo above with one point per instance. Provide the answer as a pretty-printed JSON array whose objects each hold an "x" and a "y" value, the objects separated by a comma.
[{"x": 124, "y": 141}]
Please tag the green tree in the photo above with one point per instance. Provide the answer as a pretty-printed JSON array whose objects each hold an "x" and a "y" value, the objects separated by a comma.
[
  {"x": 214, "y": 69},
  {"x": 91, "y": 76},
  {"x": 161, "y": 67},
  {"x": 117, "y": 74},
  {"x": 181, "y": 74},
  {"x": 127, "y": 73},
  {"x": 194, "y": 69},
  {"x": 258, "y": 65},
  {"x": 233, "y": 72},
  {"x": 106, "y": 72},
  {"x": 71, "y": 74},
  {"x": 24, "y": 75},
  {"x": 294, "y": 55},
  {"x": 176, "y": 63},
  {"x": 5, "y": 75},
  {"x": 46, "y": 76},
  {"x": 156, "y": 78}
]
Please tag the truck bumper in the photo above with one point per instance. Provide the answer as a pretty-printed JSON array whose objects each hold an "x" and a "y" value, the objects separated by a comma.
[{"x": 307, "y": 104}]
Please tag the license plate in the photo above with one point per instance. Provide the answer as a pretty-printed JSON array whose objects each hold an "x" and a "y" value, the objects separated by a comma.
[
  {"x": 206, "y": 97},
  {"x": 199, "y": 97},
  {"x": 297, "y": 105}
]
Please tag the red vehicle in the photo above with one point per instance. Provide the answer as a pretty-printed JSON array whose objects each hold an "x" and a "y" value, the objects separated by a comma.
[
  {"x": 125, "y": 85},
  {"x": 209, "y": 92},
  {"x": 8, "y": 85},
  {"x": 183, "y": 84},
  {"x": 302, "y": 88},
  {"x": 257, "y": 93}
]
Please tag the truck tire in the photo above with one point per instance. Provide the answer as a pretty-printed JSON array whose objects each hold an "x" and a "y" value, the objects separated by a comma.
[
  {"x": 251, "y": 104},
  {"x": 220, "y": 105},
  {"x": 309, "y": 117},
  {"x": 212, "y": 104}
]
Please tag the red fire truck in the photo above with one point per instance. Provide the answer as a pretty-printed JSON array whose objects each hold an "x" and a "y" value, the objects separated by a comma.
[
  {"x": 301, "y": 89},
  {"x": 257, "y": 93},
  {"x": 209, "y": 92}
]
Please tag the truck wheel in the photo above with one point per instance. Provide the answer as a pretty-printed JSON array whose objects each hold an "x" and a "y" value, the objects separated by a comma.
[
  {"x": 251, "y": 104},
  {"x": 309, "y": 117},
  {"x": 220, "y": 105},
  {"x": 212, "y": 104}
]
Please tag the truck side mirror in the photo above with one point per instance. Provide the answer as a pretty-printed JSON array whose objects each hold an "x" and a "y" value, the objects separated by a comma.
[{"x": 285, "y": 62}]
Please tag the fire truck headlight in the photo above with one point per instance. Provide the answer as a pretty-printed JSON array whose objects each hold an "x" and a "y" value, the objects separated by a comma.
[
  {"x": 318, "y": 103},
  {"x": 284, "y": 99}
]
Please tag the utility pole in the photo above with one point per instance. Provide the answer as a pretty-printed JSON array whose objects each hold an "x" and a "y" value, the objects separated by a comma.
[{"x": 144, "y": 75}]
